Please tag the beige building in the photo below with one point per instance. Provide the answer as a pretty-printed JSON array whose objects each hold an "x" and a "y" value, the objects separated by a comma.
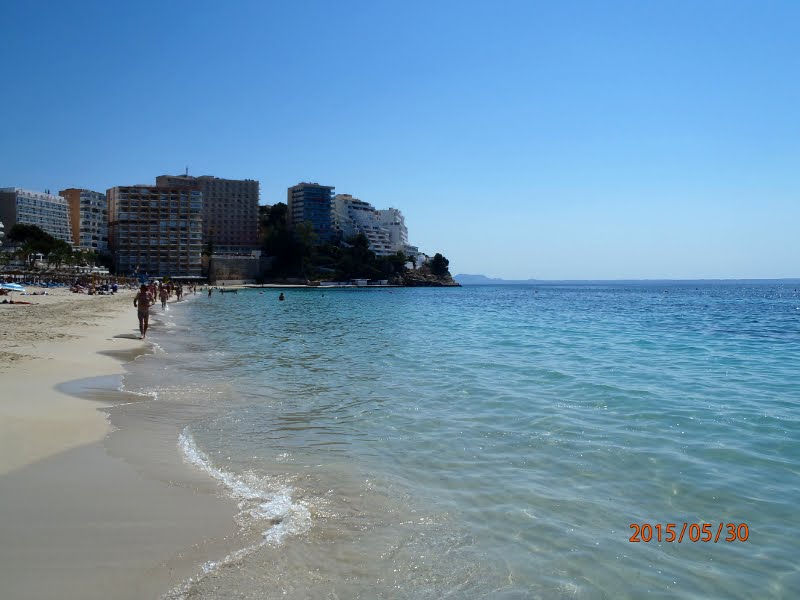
[
  {"x": 88, "y": 215},
  {"x": 156, "y": 231},
  {"x": 230, "y": 210}
]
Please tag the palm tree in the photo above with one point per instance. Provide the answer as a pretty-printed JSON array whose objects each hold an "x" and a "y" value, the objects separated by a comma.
[
  {"x": 72, "y": 259},
  {"x": 56, "y": 259},
  {"x": 5, "y": 258},
  {"x": 88, "y": 257},
  {"x": 307, "y": 237},
  {"x": 27, "y": 252}
]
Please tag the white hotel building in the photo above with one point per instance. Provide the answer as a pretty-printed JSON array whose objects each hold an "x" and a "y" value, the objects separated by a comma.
[
  {"x": 47, "y": 211},
  {"x": 385, "y": 229},
  {"x": 392, "y": 220},
  {"x": 352, "y": 216}
]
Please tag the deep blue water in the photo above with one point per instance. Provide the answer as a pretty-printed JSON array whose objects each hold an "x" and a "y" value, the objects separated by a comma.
[{"x": 494, "y": 442}]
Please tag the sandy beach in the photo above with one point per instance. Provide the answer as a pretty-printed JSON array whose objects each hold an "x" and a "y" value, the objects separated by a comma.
[
  {"x": 79, "y": 517},
  {"x": 62, "y": 336}
]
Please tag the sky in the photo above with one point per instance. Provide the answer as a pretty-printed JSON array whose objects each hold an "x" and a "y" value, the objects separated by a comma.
[{"x": 548, "y": 140}]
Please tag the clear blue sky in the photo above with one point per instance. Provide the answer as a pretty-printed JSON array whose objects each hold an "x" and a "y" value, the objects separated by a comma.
[{"x": 557, "y": 139}]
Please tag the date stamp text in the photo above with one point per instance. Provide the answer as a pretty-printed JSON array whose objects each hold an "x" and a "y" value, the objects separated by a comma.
[{"x": 690, "y": 532}]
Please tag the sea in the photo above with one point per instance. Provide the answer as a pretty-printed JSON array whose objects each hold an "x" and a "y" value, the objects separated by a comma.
[{"x": 489, "y": 442}]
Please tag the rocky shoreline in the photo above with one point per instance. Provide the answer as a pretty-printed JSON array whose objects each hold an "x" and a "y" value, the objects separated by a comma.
[{"x": 416, "y": 279}]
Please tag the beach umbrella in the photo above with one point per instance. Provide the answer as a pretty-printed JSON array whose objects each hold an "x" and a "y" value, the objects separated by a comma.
[{"x": 14, "y": 287}]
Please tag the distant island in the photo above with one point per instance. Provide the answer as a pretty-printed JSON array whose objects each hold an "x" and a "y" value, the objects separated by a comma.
[{"x": 465, "y": 279}]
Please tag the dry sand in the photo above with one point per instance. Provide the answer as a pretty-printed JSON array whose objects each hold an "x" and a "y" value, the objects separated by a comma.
[
  {"x": 78, "y": 521},
  {"x": 61, "y": 337}
]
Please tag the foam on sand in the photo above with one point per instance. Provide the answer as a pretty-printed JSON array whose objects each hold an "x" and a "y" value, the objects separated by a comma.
[
  {"x": 263, "y": 505},
  {"x": 261, "y": 500}
]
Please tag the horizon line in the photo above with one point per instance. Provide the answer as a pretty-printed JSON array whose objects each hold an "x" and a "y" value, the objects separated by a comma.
[{"x": 499, "y": 279}]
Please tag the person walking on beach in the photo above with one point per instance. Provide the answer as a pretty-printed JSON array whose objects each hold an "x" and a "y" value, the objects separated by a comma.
[
  {"x": 143, "y": 301},
  {"x": 162, "y": 293}
]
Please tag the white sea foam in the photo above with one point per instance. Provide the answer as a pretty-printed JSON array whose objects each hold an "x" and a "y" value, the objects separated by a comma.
[
  {"x": 155, "y": 347},
  {"x": 150, "y": 393},
  {"x": 181, "y": 592},
  {"x": 260, "y": 501}
]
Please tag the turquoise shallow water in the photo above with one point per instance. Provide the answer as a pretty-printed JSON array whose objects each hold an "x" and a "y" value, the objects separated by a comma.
[{"x": 492, "y": 442}]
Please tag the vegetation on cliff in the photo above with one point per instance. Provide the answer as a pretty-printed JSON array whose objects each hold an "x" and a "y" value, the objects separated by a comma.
[{"x": 296, "y": 254}]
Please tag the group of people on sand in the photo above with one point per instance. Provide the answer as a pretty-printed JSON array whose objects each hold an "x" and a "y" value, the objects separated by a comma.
[{"x": 103, "y": 289}]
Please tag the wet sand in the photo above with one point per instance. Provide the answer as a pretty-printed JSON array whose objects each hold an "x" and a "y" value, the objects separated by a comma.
[{"x": 81, "y": 513}]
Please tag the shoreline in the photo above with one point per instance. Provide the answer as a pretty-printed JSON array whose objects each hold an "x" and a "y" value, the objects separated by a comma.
[{"x": 89, "y": 513}]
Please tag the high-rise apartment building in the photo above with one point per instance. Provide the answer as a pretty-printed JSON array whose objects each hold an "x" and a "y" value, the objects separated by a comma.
[
  {"x": 45, "y": 210},
  {"x": 312, "y": 203},
  {"x": 230, "y": 210},
  {"x": 353, "y": 216},
  {"x": 394, "y": 222},
  {"x": 385, "y": 229},
  {"x": 88, "y": 215},
  {"x": 156, "y": 230}
]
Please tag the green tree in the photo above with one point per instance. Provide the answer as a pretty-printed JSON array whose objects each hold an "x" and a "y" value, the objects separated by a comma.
[
  {"x": 306, "y": 235},
  {"x": 22, "y": 232},
  {"x": 103, "y": 259},
  {"x": 5, "y": 258},
  {"x": 291, "y": 251},
  {"x": 73, "y": 259},
  {"x": 40, "y": 240},
  {"x": 27, "y": 252},
  {"x": 439, "y": 265},
  {"x": 325, "y": 257},
  {"x": 60, "y": 252},
  {"x": 356, "y": 260},
  {"x": 56, "y": 258},
  {"x": 305, "y": 238},
  {"x": 272, "y": 217},
  {"x": 397, "y": 263},
  {"x": 89, "y": 257}
]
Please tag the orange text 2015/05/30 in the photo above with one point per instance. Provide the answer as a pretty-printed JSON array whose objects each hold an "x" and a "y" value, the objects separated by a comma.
[{"x": 689, "y": 532}]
